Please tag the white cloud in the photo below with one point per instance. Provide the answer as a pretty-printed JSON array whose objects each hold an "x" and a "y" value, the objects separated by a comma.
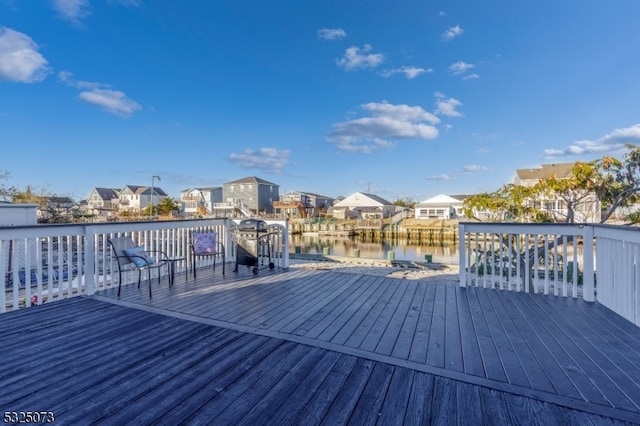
[
  {"x": 447, "y": 107},
  {"x": 471, "y": 76},
  {"x": 19, "y": 58},
  {"x": 75, "y": 10},
  {"x": 452, "y": 33},
  {"x": 331, "y": 34},
  {"x": 128, "y": 3},
  {"x": 409, "y": 72},
  {"x": 387, "y": 123},
  {"x": 609, "y": 143},
  {"x": 442, "y": 177},
  {"x": 354, "y": 58},
  {"x": 71, "y": 10},
  {"x": 460, "y": 67},
  {"x": 400, "y": 112},
  {"x": 68, "y": 78},
  {"x": 269, "y": 160},
  {"x": 475, "y": 168},
  {"x": 112, "y": 101}
]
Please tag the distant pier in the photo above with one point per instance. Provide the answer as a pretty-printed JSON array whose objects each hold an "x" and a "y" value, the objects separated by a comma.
[{"x": 419, "y": 231}]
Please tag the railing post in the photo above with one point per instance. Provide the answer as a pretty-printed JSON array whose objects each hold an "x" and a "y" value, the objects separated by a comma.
[
  {"x": 228, "y": 223},
  {"x": 89, "y": 263},
  {"x": 285, "y": 245},
  {"x": 462, "y": 255},
  {"x": 588, "y": 293}
]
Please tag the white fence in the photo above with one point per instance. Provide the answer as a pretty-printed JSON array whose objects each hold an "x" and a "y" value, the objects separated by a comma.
[
  {"x": 49, "y": 262},
  {"x": 593, "y": 262},
  {"x": 618, "y": 270}
]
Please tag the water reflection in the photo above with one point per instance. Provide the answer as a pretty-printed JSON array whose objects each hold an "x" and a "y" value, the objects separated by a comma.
[{"x": 344, "y": 246}]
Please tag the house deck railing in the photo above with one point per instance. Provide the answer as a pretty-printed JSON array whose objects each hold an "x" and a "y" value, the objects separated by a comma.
[
  {"x": 593, "y": 262},
  {"x": 50, "y": 262}
]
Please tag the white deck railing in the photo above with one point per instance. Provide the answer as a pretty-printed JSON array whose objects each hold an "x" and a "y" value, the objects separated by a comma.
[
  {"x": 50, "y": 262},
  {"x": 592, "y": 262}
]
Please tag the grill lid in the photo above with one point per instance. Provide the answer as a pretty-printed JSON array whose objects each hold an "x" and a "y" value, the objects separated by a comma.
[{"x": 252, "y": 225}]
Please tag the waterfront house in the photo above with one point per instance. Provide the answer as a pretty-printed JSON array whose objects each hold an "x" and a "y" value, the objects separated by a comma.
[
  {"x": 587, "y": 208},
  {"x": 103, "y": 202},
  {"x": 361, "y": 205},
  {"x": 248, "y": 196},
  {"x": 57, "y": 209},
  {"x": 200, "y": 201},
  {"x": 137, "y": 198},
  {"x": 303, "y": 204},
  {"x": 440, "y": 207}
]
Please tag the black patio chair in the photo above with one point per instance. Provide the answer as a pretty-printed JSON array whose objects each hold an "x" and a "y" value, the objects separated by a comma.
[{"x": 129, "y": 257}]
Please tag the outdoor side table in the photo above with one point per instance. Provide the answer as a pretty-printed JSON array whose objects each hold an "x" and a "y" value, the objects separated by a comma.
[{"x": 172, "y": 267}]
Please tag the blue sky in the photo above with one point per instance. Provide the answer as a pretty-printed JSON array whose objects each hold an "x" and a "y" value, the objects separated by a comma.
[{"x": 404, "y": 99}]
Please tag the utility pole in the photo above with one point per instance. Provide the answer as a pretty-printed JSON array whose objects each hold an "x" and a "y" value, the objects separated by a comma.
[{"x": 151, "y": 205}]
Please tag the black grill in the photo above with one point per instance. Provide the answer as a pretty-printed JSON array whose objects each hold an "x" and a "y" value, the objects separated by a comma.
[{"x": 252, "y": 244}]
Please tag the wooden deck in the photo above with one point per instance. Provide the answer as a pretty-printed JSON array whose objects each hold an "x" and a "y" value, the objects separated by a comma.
[{"x": 320, "y": 347}]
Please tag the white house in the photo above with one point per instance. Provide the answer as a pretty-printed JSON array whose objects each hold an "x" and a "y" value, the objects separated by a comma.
[
  {"x": 200, "y": 201},
  {"x": 137, "y": 198},
  {"x": 440, "y": 207},
  {"x": 363, "y": 206}
]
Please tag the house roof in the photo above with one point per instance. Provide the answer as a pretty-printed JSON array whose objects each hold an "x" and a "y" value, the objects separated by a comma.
[
  {"x": 252, "y": 179},
  {"x": 107, "y": 193},
  {"x": 209, "y": 188},
  {"x": 135, "y": 189},
  {"x": 60, "y": 200},
  {"x": 361, "y": 199},
  {"x": 308, "y": 193},
  {"x": 156, "y": 191},
  {"x": 441, "y": 199},
  {"x": 560, "y": 171}
]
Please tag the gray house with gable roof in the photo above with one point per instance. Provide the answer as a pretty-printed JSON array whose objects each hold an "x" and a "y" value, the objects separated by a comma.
[{"x": 256, "y": 194}]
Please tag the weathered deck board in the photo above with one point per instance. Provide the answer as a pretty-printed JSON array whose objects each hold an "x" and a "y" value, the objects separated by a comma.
[
  {"x": 469, "y": 344},
  {"x": 349, "y": 324},
  {"x": 526, "y": 357},
  {"x": 419, "y": 345},
  {"x": 313, "y": 347},
  {"x": 404, "y": 341},
  {"x": 490, "y": 358},
  {"x": 507, "y": 356}
]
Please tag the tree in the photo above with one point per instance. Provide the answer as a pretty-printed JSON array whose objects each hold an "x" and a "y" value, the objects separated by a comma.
[
  {"x": 405, "y": 202},
  {"x": 164, "y": 207},
  {"x": 167, "y": 205},
  {"x": 619, "y": 183},
  {"x": 6, "y": 191},
  {"x": 28, "y": 197},
  {"x": 613, "y": 182},
  {"x": 509, "y": 203}
]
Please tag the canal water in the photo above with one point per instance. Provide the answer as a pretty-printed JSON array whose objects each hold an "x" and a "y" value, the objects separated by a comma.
[{"x": 350, "y": 246}]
